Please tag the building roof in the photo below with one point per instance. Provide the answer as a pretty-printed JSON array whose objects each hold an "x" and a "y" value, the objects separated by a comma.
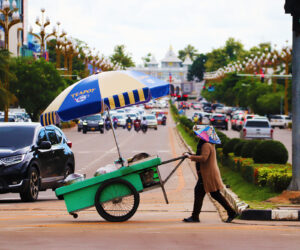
[
  {"x": 171, "y": 57},
  {"x": 187, "y": 60}
]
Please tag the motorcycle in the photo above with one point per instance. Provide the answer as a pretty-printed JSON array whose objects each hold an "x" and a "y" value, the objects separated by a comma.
[
  {"x": 137, "y": 126},
  {"x": 115, "y": 124},
  {"x": 164, "y": 121},
  {"x": 107, "y": 125},
  {"x": 129, "y": 126},
  {"x": 144, "y": 128}
]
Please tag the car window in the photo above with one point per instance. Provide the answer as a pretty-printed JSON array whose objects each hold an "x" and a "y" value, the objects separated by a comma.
[
  {"x": 42, "y": 136},
  {"x": 260, "y": 124},
  {"x": 59, "y": 135},
  {"x": 276, "y": 117},
  {"x": 52, "y": 137}
]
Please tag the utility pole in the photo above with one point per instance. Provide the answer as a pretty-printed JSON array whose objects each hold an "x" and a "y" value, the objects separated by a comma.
[{"x": 293, "y": 7}]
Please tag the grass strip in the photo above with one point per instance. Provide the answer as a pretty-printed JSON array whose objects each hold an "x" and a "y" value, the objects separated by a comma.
[{"x": 253, "y": 195}]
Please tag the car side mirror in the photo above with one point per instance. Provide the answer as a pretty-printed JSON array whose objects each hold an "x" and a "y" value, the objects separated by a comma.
[{"x": 45, "y": 145}]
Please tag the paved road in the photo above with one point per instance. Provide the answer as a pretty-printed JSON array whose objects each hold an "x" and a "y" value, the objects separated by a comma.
[{"x": 156, "y": 225}]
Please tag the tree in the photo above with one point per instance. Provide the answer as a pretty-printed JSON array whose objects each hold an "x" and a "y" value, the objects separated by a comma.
[
  {"x": 121, "y": 58},
  {"x": 197, "y": 69},
  {"x": 188, "y": 50},
  {"x": 216, "y": 59},
  {"x": 6, "y": 97},
  {"x": 146, "y": 59},
  {"x": 38, "y": 83}
]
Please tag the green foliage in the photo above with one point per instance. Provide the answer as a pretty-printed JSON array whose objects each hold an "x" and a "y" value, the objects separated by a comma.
[
  {"x": 270, "y": 152},
  {"x": 269, "y": 103},
  {"x": 224, "y": 139},
  {"x": 276, "y": 178},
  {"x": 146, "y": 59},
  {"x": 197, "y": 69},
  {"x": 188, "y": 50},
  {"x": 229, "y": 146},
  {"x": 37, "y": 85},
  {"x": 186, "y": 122},
  {"x": 237, "y": 149},
  {"x": 121, "y": 58},
  {"x": 248, "y": 148}
]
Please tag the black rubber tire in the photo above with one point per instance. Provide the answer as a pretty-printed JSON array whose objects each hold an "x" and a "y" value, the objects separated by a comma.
[
  {"x": 31, "y": 191},
  {"x": 109, "y": 217},
  {"x": 68, "y": 171},
  {"x": 101, "y": 130},
  {"x": 84, "y": 130},
  {"x": 79, "y": 129},
  {"x": 155, "y": 128}
]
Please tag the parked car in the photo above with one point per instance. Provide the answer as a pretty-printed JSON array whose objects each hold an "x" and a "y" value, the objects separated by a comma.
[
  {"x": 280, "y": 121},
  {"x": 33, "y": 158},
  {"x": 11, "y": 118},
  {"x": 219, "y": 121},
  {"x": 91, "y": 123},
  {"x": 257, "y": 129},
  {"x": 152, "y": 121},
  {"x": 217, "y": 105}
]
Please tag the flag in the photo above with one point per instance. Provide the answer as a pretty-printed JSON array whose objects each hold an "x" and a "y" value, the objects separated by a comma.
[{"x": 170, "y": 77}]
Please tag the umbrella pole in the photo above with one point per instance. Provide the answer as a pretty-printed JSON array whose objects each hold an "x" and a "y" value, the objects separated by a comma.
[{"x": 113, "y": 130}]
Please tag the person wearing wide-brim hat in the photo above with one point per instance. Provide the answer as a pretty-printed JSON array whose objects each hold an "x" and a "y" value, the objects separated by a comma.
[{"x": 209, "y": 177}]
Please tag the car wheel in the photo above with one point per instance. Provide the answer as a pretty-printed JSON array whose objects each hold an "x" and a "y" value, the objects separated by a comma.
[
  {"x": 155, "y": 128},
  {"x": 281, "y": 127},
  {"x": 84, "y": 130},
  {"x": 68, "y": 171},
  {"x": 31, "y": 191},
  {"x": 79, "y": 129},
  {"x": 101, "y": 131}
]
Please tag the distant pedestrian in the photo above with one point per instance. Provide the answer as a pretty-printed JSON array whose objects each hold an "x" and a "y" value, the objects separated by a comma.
[{"x": 209, "y": 177}]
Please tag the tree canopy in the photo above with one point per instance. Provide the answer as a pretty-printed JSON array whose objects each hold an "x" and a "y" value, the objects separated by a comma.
[
  {"x": 188, "y": 50},
  {"x": 37, "y": 84},
  {"x": 197, "y": 69},
  {"x": 121, "y": 58}
]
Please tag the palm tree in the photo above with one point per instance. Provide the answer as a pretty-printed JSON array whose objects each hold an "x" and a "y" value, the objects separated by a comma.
[{"x": 188, "y": 50}]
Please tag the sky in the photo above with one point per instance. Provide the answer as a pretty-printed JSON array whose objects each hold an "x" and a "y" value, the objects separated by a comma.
[{"x": 145, "y": 26}]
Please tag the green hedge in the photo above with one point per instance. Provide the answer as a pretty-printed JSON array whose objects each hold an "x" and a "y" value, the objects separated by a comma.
[
  {"x": 270, "y": 152},
  {"x": 248, "y": 148},
  {"x": 237, "y": 149},
  {"x": 229, "y": 146}
]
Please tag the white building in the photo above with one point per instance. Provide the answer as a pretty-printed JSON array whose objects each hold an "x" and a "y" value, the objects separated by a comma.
[{"x": 172, "y": 70}]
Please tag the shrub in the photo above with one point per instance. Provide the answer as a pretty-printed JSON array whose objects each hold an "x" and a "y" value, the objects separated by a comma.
[
  {"x": 279, "y": 180},
  {"x": 248, "y": 148},
  {"x": 186, "y": 122},
  {"x": 228, "y": 147},
  {"x": 224, "y": 139},
  {"x": 270, "y": 152},
  {"x": 237, "y": 149}
]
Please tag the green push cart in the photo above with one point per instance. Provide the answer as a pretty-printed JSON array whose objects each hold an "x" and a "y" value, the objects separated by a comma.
[{"x": 116, "y": 195}]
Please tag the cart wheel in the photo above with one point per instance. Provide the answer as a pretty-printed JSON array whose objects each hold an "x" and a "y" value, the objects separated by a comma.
[{"x": 123, "y": 200}]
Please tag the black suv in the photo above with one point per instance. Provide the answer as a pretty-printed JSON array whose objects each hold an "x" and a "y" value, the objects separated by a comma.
[
  {"x": 33, "y": 158},
  {"x": 91, "y": 123},
  {"x": 219, "y": 121}
]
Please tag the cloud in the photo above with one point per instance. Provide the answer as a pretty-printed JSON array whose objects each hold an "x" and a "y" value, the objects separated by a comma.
[{"x": 151, "y": 26}]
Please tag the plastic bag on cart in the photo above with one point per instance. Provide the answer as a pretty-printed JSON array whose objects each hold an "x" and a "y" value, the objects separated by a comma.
[
  {"x": 106, "y": 169},
  {"x": 72, "y": 178}
]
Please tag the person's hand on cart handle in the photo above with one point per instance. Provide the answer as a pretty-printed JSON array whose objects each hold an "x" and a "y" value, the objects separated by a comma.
[{"x": 187, "y": 154}]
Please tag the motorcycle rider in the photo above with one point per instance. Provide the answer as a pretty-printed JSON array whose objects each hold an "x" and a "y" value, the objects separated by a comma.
[
  {"x": 144, "y": 124},
  {"x": 137, "y": 123},
  {"x": 107, "y": 123},
  {"x": 115, "y": 122},
  {"x": 128, "y": 121}
]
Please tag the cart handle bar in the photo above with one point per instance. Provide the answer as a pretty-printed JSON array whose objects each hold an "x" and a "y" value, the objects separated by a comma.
[{"x": 174, "y": 159}]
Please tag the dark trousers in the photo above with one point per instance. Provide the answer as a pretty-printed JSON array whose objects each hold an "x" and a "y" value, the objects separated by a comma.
[{"x": 199, "y": 196}]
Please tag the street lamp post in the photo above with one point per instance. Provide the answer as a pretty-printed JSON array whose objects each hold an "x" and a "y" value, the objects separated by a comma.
[
  {"x": 11, "y": 17},
  {"x": 59, "y": 43},
  {"x": 42, "y": 36}
]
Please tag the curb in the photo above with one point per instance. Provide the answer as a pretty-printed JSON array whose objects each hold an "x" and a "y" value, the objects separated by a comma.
[{"x": 268, "y": 214}]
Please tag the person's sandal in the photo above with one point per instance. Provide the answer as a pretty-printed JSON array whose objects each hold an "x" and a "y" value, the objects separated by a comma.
[
  {"x": 231, "y": 218},
  {"x": 191, "y": 219}
]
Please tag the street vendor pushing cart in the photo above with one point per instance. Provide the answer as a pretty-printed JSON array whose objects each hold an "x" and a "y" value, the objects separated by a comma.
[{"x": 209, "y": 178}]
